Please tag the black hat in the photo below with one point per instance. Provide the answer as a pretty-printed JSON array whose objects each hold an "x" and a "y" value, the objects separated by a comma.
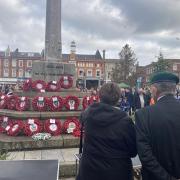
[{"x": 164, "y": 77}]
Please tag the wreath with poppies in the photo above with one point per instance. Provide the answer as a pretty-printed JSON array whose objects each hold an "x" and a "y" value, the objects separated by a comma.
[
  {"x": 22, "y": 104},
  {"x": 72, "y": 103},
  {"x": 56, "y": 103},
  {"x": 11, "y": 104},
  {"x": 53, "y": 86},
  {"x": 27, "y": 85},
  {"x": 53, "y": 126},
  {"x": 71, "y": 125},
  {"x": 15, "y": 128},
  {"x": 86, "y": 102},
  {"x": 4, "y": 122},
  {"x": 40, "y": 103},
  {"x": 39, "y": 85},
  {"x": 3, "y": 101},
  {"x": 33, "y": 126},
  {"x": 66, "y": 82},
  {"x": 94, "y": 98}
]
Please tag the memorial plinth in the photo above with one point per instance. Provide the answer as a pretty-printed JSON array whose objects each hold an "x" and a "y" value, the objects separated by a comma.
[{"x": 52, "y": 71}]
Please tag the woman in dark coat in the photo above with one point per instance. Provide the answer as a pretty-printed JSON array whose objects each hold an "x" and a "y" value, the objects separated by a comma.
[{"x": 109, "y": 141}]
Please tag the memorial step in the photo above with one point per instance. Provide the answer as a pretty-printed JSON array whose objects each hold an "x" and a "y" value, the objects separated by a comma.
[{"x": 27, "y": 143}]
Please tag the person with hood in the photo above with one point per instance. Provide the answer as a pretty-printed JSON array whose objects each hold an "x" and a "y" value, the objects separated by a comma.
[{"x": 109, "y": 139}]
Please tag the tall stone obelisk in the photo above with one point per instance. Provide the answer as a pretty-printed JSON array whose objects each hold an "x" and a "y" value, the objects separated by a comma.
[
  {"x": 53, "y": 47},
  {"x": 53, "y": 67}
]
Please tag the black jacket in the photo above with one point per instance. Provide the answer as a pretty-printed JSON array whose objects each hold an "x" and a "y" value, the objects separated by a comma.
[
  {"x": 109, "y": 144},
  {"x": 158, "y": 139}
]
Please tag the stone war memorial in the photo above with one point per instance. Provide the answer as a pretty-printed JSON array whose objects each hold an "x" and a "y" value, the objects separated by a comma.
[{"x": 41, "y": 122}]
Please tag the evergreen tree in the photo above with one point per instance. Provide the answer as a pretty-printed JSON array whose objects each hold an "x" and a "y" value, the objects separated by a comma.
[{"x": 161, "y": 64}]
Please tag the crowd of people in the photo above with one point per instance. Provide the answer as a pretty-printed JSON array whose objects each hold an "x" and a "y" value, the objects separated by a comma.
[{"x": 111, "y": 138}]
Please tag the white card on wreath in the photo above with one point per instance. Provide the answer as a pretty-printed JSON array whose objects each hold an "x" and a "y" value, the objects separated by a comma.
[
  {"x": 5, "y": 119},
  {"x": 41, "y": 98},
  {"x": 54, "y": 82},
  {"x": 2, "y": 97},
  {"x": 55, "y": 99},
  {"x": 7, "y": 128},
  {"x": 23, "y": 98},
  {"x": 31, "y": 121},
  {"x": 52, "y": 121}
]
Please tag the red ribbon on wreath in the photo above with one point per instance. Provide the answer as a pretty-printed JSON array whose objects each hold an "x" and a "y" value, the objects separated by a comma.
[
  {"x": 11, "y": 104},
  {"x": 15, "y": 128},
  {"x": 4, "y": 122},
  {"x": 40, "y": 103},
  {"x": 53, "y": 126},
  {"x": 66, "y": 82},
  {"x": 72, "y": 103},
  {"x": 55, "y": 103},
  {"x": 53, "y": 86},
  {"x": 3, "y": 101},
  {"x": 86, "y": 102},
  {"x": 23, "y": 104},
  {"x": 27, "y": 85},
  {"x": 33, "y": 126},
  {"x": 71, "y": 125},
  {"x": 39, "y": 85}
]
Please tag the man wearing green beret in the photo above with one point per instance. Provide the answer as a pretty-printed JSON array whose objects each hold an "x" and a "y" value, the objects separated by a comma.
[{"x": 158, "y": 131}]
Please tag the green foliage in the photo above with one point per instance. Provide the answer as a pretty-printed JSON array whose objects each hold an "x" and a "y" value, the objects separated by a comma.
[
  {"x": 161, "y": 65},
  {"x": 125, "y": 68},
  {"x": 3, "y": 154}
]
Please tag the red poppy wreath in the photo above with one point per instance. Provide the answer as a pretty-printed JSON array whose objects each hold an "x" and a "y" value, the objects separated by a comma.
[
  {"x": 53, "y": 126},
  {"x": 32, "y": 126},
  {"x": 22, "y": 104},
  {"x": 15, "y": 128},
  {"x": 39, "y": 85},
  {"x": 40, "y": 103},
  {"x": 71, "y": 125},
  {"x": 72, "y": 103},
  {"x": 66, "y": 82},
  {"x": 4, "y": 122},
  {"x": 53, "y": 86},
  {"x": 27, "y": 85},
  {"x": 11, "y": 104},
  {"x": 3, "y": 101},
  {"x": 86, "y": 102},
  {"x": 55, "y": 103}
]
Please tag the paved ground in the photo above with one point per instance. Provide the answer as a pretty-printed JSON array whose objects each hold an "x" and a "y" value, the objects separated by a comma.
[{"x": 63, "y": 155}]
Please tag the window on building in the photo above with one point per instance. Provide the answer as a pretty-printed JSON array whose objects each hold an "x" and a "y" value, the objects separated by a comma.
[
  {"x": 27, "y": 74},
  {"x": 98, "y": 73},
  {"x": 6, "y": 72},
  {"x": 98, "y": 65},
  {"x": 20, "y": 63},
  {"x": 6, "y": 63},
  {"x": 29, "y": 63},
  {"x": 21, "y": 73},
  {"x": 13, "y": 62},
  {"x": 81, "y": 72},
  {"x": 89, "y": 72},
  {"x": 174, "y": 67},
  {"x": 109, "y": 75},
  {"x": 13, "y": 72}
]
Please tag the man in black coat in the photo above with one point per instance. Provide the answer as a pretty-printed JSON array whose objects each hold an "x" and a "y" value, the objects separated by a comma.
[{"x": 158, "y": 131}]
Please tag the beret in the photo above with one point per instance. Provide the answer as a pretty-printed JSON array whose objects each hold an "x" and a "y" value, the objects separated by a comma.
[{"x": 164, "y": 77}]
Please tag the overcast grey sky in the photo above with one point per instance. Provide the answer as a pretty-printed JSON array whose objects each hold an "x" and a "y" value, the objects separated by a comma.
[{"x": 148, "y": 26}]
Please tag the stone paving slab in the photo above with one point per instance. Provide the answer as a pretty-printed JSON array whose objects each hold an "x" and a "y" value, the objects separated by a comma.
[
  {"x": 55, "y": 154},
  {"x": 35, "y": 155}
]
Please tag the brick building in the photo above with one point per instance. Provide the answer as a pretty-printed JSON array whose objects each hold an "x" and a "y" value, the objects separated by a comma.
[{"x": 16, "y": 66}]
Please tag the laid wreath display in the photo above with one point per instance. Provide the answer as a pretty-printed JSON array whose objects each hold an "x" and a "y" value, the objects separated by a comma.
[
  {"x": 39, "y": 85},
  {"x": 11, "y": 104},
  {"x": 53, "y": 126},
  {"x": 4, "y": 122},
  {"x": 27, "y": 85},
  {"x": 22, "y": 104},
  {"x": 40, "y": 103},
  {"x": 72, "y": 103},
  {"x": 53, "y": 86},
  {"x": 14, "y": 128},
  {"x": 66, "y": 82},
  {"x": 94, "y": 98},
  {"x": 55, "y": 103},
  {"x": 3, "y": 101},
  {"x": 32, "y": 126},
  {"x": 86, "y": 102},
  {"x": 71, "y": 125}
]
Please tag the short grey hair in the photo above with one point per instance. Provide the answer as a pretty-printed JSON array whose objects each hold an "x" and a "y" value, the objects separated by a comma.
[{"x": 165, "y": 87}]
